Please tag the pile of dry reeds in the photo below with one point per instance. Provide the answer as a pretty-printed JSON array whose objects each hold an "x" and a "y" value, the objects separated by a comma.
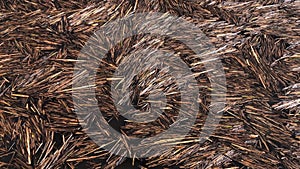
[{"x": 257, "y": 41}]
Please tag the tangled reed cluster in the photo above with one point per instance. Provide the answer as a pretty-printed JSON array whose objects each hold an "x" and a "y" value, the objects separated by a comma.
[{"x": 257, "y": 42}]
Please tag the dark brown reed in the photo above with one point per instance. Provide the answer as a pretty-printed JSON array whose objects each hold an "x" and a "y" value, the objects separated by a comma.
[{"x": 257, "y": 41}]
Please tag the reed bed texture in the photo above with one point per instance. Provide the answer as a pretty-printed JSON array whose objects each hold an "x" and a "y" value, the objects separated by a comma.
[{"x": 257, "y": 42}]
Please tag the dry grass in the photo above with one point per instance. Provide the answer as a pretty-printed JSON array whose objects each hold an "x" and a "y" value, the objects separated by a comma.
[{"x": 258, "y": 44}]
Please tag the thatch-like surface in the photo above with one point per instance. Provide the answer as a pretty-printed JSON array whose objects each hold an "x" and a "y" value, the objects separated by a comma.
[{"x": 258, "y": 44}]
